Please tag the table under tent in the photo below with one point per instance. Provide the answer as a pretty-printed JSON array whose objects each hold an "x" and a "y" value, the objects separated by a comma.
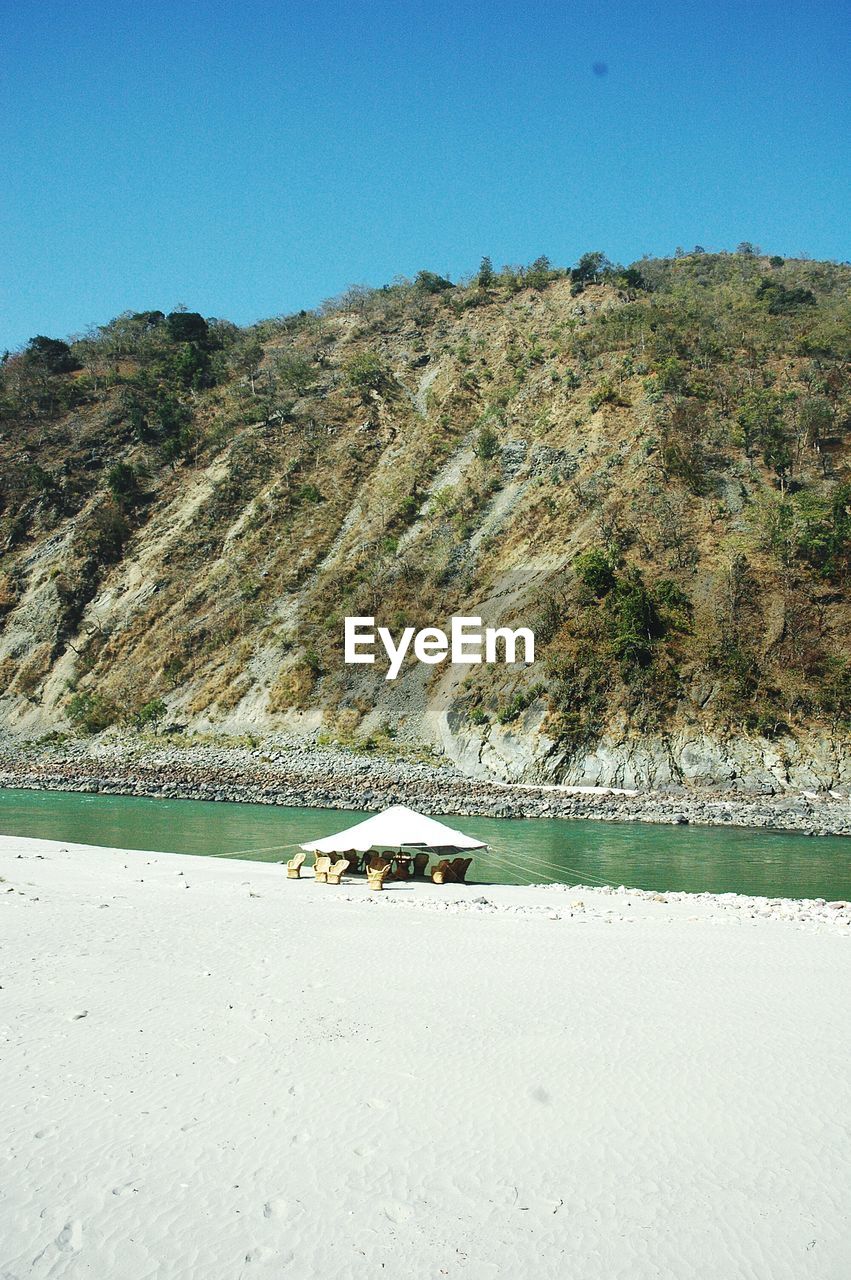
[{"x": 394, "y": 845}]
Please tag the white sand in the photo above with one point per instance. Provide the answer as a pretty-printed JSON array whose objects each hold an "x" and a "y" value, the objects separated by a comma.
[{"x": 210, "y": 1073}]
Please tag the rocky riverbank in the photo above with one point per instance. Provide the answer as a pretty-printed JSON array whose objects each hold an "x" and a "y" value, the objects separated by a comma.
[{"x": 287, "y": 771}]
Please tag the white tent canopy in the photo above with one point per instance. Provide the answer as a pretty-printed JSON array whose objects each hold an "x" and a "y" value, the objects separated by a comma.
[{"x": 396, "y": 828}]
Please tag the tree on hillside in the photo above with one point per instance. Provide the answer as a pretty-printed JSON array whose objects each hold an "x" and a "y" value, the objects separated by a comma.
[
  {"x": 246, "y": 358},
  {"x": 51, "y": 355},
  {"x": 429, "y": 282},
  {"x": 631, "y": 279},
  {"x": 366, "y": 373},
  {"x": 777, "y": 454},
  {"x": 294, "y": 371},
  {"x": 187, "y": 326},
  {"x": 539, "y": 273},
  {"x": 356, "y": 297},
  {"x": 815, "y": 420},
  {"x": 783, "y": 301},
  {"x": 590, "y": 268},
  {"x": 124, "y": 481},
  {"x": 486, "y": 277},
  {"x": 759, "y": 417}
]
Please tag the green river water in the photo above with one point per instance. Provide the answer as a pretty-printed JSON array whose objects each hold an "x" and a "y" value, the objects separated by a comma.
[{"x": 524, "y": 850}]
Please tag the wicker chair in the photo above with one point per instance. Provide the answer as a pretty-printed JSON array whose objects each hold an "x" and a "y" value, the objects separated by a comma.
[
  {"x": 420, "y": 865},
  {"x": 321, "y": 867},
  {"x": 460, "y": 867},
  {"x": 294, "y": 867},
  {"x": 452, "y": 871},
  {"x": 403, "y": 869},
  {"x": 377, "y": 871}
]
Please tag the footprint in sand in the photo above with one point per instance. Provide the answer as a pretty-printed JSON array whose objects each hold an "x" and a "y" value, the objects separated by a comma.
[
  {"x": 124, "y": 1189},
  {"x": 70, "y": 1238},
  {"x": 280, "y": 1208},
  {"x": 262, "y": 1253},
  {"x": 397, "y": 1212}
]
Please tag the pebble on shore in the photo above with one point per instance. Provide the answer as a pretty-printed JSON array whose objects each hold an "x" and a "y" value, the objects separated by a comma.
[{"x": 295, "y": 772}]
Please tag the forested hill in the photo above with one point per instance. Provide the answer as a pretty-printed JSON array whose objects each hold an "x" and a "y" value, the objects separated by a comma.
[{"x": 651, "y": 466}]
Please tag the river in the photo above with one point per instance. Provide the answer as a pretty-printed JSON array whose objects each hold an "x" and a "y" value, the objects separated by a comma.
[{"x": 524, "y": 851}]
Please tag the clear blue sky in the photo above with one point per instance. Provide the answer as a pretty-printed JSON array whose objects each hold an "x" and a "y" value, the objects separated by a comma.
[{"x": 252, "y": 158}]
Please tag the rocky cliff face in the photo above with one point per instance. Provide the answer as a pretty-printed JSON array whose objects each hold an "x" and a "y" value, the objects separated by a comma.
[
  {"x": 650, "y": 470},
  {"x": 685, "y": 757}
]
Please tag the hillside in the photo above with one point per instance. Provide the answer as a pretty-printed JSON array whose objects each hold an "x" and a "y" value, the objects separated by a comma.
[{"x": 650, "y": 466}]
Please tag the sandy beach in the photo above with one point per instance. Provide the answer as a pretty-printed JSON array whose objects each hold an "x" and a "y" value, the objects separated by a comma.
[{"x": 209, "y": 1072}]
